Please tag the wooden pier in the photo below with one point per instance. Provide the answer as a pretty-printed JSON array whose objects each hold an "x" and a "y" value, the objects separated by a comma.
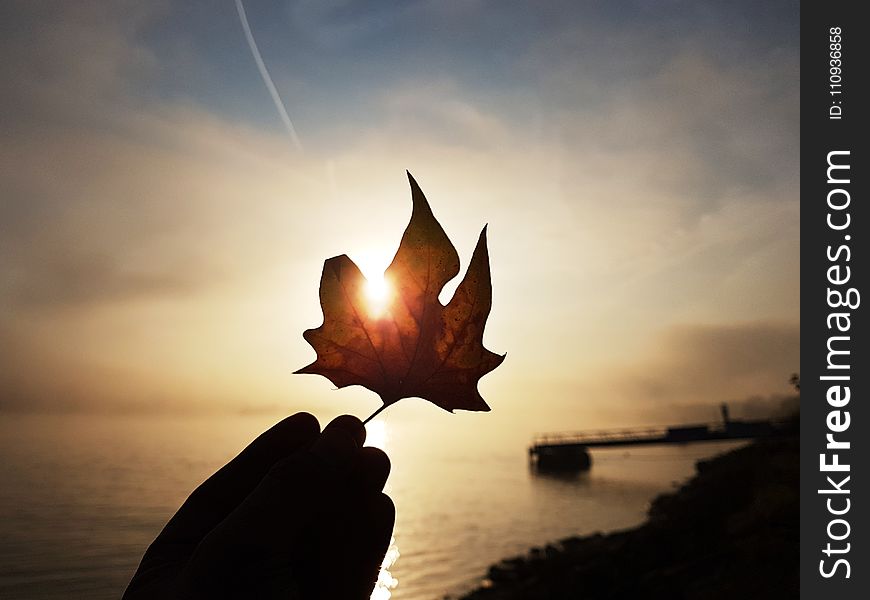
[{"x": 570, "y": 450}]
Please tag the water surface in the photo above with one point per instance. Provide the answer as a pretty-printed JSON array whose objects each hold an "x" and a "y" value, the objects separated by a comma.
[{"x": 83, "y": 495}]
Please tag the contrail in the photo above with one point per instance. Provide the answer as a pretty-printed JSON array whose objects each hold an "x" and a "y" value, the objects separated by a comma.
[{"x": 267, "y": 79}]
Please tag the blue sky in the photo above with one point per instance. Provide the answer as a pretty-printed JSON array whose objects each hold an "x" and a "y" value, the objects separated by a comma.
[
  {"x": 334, "y": 61},
  {"x": 637, "y": 163}
]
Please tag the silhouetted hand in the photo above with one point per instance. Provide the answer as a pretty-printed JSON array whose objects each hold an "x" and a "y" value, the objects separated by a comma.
[{"x": 298, "y": 514}]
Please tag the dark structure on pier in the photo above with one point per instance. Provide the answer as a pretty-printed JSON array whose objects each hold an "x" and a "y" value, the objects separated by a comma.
[{"x": 570, "y": 451}]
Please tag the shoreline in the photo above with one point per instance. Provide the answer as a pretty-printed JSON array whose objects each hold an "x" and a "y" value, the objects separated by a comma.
[{"x": 732, "y": 529}]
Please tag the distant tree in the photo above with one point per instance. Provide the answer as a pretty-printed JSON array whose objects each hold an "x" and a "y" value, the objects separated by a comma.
[{"x": 795, "y": 380}]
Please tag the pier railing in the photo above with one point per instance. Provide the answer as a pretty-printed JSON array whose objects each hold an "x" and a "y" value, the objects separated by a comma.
[
  {"x": 674, "y": 434},
  {"x": 569, "y": 450},
  {"x": 582, "y": 437}
]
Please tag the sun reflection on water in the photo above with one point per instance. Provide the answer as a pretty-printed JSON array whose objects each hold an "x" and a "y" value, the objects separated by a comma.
[
  {"x": 378, "y": 436},
  {"x": 386, "y": 581}
]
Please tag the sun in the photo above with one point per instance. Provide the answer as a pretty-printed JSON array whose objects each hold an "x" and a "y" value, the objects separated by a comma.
[
  {"x": 377, "y": 289},
  {"x": 378, "y": 293}
]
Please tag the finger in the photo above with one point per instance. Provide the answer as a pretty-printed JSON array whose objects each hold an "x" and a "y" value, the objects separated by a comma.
[
  {"x": 303, "y": 485},
  {"x": 372, "y": 469},
  {"x": 221, "y": 493},
  {"x": 300, "y": 487},
  {"x": 351, "y": 425}
]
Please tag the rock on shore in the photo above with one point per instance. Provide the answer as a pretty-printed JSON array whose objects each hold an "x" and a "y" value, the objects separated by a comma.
[{"x": 731, "y": 532}]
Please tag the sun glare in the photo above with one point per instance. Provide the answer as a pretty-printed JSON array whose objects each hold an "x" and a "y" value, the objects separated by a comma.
[
  {"x": 376, "y": 434},
  {"x": 378, "y": 294},
  {"x": 377, "y": 291}
]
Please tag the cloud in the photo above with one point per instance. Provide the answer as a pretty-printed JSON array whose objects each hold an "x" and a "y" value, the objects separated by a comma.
[
  {"x": 439, "y": 112},
  {"x": 690, "y": 369},
  {"x": 149, "y": 212},
  {"x": 63, "y": 60},
  {"x": 164, "y": 250},
  {"x": 719, "y": 362},
  {"x": 682, "y": 373},
  {"x": 65, "y": 279}
]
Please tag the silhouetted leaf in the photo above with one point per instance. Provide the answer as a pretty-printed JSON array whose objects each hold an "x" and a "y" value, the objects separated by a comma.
[{"x": 414, "y": 347}]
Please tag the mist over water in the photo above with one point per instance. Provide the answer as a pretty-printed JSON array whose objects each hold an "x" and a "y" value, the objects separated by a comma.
[{"x": 83, "y": 495}]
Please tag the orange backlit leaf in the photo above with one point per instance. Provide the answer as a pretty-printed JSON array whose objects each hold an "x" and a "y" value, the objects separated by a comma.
[{"x": 414, "y": 346}]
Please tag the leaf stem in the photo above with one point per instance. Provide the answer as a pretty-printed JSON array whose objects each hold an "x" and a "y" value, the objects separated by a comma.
[{"x": 375, "y": 414}]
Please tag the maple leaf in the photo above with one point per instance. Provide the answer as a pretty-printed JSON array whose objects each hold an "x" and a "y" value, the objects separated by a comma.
[{"x": 414, "y": 346}]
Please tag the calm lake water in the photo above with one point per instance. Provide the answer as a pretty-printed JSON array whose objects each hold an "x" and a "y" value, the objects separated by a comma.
[{"x": 81, "y": 497}]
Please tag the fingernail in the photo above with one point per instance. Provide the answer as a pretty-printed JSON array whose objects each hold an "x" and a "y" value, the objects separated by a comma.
[{"x": 351, "y": 425}]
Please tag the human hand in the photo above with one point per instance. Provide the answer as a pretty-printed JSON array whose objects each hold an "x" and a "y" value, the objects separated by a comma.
[{"x": 298, "y": 514}]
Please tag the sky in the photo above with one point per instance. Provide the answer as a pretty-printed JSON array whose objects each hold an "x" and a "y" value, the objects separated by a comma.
[{"x": 162, "y": 232}]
